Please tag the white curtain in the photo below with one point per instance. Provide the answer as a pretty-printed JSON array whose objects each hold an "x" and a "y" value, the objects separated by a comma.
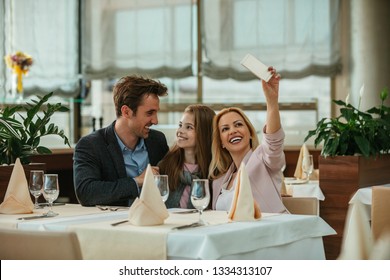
[
  {"x": 298, "y": 37},
  {"x": 157, "y": 38},
  {"x": 151, "y": 38},
  {"x": 48, "y": 31}
]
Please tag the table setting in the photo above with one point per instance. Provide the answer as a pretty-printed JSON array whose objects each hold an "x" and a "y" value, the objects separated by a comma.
[
  {"x": 305, "y": 182},
  {"x": 148, "y": 230}
]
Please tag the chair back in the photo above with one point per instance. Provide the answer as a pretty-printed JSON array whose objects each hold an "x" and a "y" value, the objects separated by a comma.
[
  {"x": 38, "y": 245},
  {"x": 301, "y": 205},
  {"x": 380, "y": 211}
]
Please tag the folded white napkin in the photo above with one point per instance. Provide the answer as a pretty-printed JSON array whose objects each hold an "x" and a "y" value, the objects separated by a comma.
[
  {"x": 148, "y": 209},
  {"x": 244, "y": 207},
  {"x": 17, "y": 199},
  {"x": 299, "y": 174},
  {"x": 283, "y": 189}
]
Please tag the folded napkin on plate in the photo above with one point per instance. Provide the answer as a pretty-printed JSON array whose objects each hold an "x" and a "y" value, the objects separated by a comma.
[
  {"x": 299, "y": 174},
  {"x": 244, "y": 207},
  {"x": 17, "y": 199},
  {"x": 148, "y": 209},
  {"x": 283, "y": 189}
]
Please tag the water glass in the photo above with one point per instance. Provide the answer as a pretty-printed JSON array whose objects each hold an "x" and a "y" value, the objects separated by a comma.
[
  {"x": 308, "y": 166},
  {"x": 35, "y": 185},
  {"x": 50, "y": 191},
  {"x": 200, "y": 196},
  {"x": 162, "y": 185}
]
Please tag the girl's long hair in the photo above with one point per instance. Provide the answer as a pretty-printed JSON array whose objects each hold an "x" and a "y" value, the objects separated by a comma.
[{"x": 173, "y": 163}]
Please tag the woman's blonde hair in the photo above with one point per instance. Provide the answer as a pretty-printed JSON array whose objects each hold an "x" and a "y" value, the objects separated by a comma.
[
  {"x": 221, "y": 157},
  {"x": 173, "y": 163}
]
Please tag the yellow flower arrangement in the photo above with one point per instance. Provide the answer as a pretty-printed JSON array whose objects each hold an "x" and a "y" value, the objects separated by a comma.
[{"x": 20, "y": 64}]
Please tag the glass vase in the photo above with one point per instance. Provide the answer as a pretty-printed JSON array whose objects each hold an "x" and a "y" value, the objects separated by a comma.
[{"x": 17, "y": 87}]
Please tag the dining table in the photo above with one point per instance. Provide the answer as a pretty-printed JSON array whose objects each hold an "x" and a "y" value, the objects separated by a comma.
[
  {"x": 357, "y": 238},
  {"x": 272, "y": 237},
  {"x": 303, "y": 188},
  {"x": 359, "y": 209},
  {"x": 296, "y": 187}
]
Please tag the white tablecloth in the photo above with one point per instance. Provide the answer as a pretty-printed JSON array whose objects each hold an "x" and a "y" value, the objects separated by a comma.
[
  {"x": 363, "y": 195},
  {"x": 73, "y": 212},
  {"x": 307, "y": 189},
  {"x": 273, "y": 237},
  {"x": 360, "y": 208}
]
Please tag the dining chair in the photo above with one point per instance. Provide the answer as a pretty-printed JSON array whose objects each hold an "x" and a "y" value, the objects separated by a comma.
[
  {"x": 380, "y": 211},
  {"x": 381, "y": 248},
  {"x": 301, "y": 205},
  {"x": 38, "y": 245}
]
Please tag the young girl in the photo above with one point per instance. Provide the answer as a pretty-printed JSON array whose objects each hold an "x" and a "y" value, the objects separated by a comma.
[{"x": 190, "y": 156}]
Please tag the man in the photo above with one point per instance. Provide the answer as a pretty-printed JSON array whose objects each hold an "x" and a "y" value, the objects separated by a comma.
[{"x": 109, "y": 164}]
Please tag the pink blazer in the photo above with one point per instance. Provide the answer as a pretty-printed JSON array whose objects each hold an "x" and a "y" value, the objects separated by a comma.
[{"x": 264, "y": 166}]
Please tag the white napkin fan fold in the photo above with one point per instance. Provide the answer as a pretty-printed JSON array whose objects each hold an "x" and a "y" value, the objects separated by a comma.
[
  {"x": 148, "y": 209},
  {"x": 244, "y": 207},
  {"x": 17, "y": 198}
]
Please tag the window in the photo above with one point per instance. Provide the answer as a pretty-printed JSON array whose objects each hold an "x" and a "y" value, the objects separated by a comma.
[
  {"x": 48, "y": 31},
  {"x": 160, "y": 38}
]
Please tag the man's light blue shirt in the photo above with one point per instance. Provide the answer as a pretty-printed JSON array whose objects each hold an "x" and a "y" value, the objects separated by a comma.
[{"x": 136, "y": 160}]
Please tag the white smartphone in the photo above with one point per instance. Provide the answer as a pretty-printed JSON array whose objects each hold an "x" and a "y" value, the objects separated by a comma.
[{"x": 256, "y": 67}]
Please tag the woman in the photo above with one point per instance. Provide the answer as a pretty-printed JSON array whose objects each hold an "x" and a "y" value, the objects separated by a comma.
[
  {"x": 235, "y": 141},
  {"x": 190, "y": 156}
]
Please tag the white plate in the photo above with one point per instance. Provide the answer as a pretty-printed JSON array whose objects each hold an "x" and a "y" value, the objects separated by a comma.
[{"x": 294, "y": 181}]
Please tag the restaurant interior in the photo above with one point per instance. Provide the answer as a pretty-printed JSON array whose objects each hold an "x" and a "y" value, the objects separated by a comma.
[{"x": 324, "y": 50}]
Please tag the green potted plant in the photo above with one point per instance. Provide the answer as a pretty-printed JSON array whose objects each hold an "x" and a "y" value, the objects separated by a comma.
[
  {"x": 355, "y": 154},
  {"x": 20, "y": 134},
  {"x": 355, "y": 132}
]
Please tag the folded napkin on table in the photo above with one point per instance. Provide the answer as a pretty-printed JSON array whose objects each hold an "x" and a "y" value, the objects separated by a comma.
[
  {"x": 283, "y": 190},
  {"x": 17, "y": 199},
  {"x": 299, "y": 174},
  {"x": 148, "y": 209},
  {"x": 244, "y": 207}
]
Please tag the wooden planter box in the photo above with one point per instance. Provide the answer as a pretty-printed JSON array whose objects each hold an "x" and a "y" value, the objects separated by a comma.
[
  {"x": 6, "y": 171},
  {"x": 340, "y": 178}
]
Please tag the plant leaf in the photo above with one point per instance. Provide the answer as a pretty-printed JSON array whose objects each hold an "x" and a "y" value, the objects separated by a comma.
[
  {"x": 363, "y": 144},
  {"x": 43, "y": 150}
]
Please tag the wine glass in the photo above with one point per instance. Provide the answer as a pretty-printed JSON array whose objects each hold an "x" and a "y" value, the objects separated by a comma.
[
  {"x": 50, "y": 191},
  {"x": 307, "y": 166},
  {"x": 35, "y": 185},
  {"x": 163, "y": 186},
  {"x": 200, "y": 196}
]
